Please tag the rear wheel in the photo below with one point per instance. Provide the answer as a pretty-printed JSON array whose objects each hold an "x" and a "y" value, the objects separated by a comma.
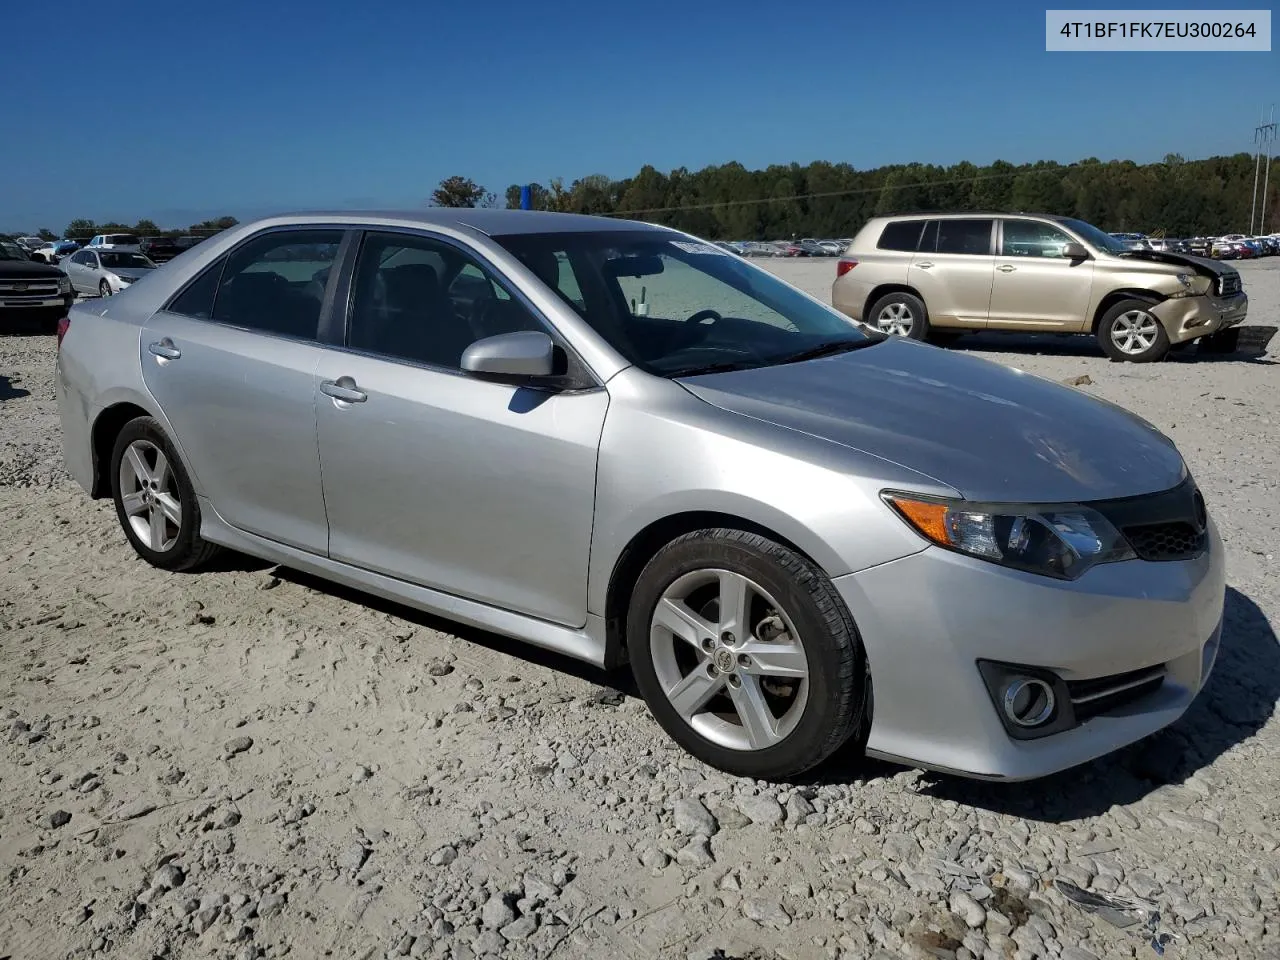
[
  {"x": 1129, "y": 331},
  {"x": 746, "y": 654},
  {"x": 900, "y": 315},
  {"x": 154, "y": 499}
]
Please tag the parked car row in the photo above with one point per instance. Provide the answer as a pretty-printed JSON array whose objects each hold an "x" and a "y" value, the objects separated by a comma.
[
  {"x": 156, "y": 249},
  {"x": 807, "y": 247},
  {"x": 1232, "y": 246}
]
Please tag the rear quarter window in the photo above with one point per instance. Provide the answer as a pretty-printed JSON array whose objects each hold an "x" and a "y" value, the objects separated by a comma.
[{"x": 900, "y": 235}]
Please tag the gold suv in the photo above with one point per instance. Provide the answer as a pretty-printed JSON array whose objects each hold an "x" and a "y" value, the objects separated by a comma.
[{"x": 939, "y": 274}]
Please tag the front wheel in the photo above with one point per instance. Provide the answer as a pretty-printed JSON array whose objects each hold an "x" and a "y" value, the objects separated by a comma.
[
  {"x": 154, "y": 499},
  {"x": 900, "y": 315},
  {"x": 746, "y": 654},
  {"x": 104, "y": 289},
  {"x": 1129, "y": 331}
]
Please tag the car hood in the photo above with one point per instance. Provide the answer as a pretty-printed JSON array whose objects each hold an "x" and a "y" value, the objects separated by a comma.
[
  {"x": 27, "y": 270},
  {"x": 1202, "y": 265},
  {"x": 985, "y": 430}
]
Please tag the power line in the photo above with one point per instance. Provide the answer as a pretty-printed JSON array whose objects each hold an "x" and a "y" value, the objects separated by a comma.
[{"x": 828, "y": 193}]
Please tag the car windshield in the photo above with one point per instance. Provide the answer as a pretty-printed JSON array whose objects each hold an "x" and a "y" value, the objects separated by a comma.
[
  {"x": 1095, "y": 237},
  {"x": 10, "y": 250},
  {"x": 114, "y": 260},
  {"x": 122, "y": 238},
  {"x": 675, "y": 307}
]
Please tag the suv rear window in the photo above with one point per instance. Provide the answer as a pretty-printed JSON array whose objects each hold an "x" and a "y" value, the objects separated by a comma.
[
  {"x": 900, "y": 235},
  {"x": 122, "y": 238}
]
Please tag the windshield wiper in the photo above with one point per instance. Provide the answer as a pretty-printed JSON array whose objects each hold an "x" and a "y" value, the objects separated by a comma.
[
  {"x": 828, "y": 349},
  {"x": 723, "y": 366}
]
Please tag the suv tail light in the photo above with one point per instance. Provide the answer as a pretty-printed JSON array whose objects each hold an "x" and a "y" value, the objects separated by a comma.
[
  {"x": 64, "y": 324},
  {"x": 844, "y": 266}
]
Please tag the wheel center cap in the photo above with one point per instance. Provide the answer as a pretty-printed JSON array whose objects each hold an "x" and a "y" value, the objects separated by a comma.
[{"x": 724, "y": 660}]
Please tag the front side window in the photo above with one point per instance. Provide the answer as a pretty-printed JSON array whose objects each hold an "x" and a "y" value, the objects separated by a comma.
[
  {"x": 426, "y": 301},
  {"x": 964, "y": 236},
  {"x": 275, "y": 283},
  {"x": 1031, "y": 238},
  {"x": 675, "y": 307}
]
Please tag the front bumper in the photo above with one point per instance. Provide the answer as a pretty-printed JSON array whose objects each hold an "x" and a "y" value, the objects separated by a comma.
[
  {"x": 1187, "y": 318},
  {"x": 29, "y": 313},
  {"x": 927, "y": 619}
]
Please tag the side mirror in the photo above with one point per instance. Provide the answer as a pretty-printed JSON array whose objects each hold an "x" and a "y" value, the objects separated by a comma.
[
  {"x": 1075, "y": 251},
  {"x": 526, "y": 354}
]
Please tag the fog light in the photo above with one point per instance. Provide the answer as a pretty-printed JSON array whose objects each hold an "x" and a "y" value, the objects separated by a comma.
[{"x": 1027, "y": 701}]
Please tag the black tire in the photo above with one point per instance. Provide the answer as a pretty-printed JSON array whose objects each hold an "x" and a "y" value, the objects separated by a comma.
[
  {"x": 188, "y": 550},
  {"x": 909, "y": 305},
  {"x": 836, "y": 707},
  {"x": 1111, "y": 326},
  {"x": 104, "y": 289}
]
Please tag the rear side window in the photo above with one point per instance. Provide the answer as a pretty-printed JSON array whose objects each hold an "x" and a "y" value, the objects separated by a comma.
[
  {"x": 964, "y": 236},
  {"x": 197, "y": 299},
  {"x": 275, "y": 283},
  {"x": 900, "y": 235}
]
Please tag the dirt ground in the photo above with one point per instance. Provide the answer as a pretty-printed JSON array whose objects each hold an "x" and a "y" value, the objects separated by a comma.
[{"x": 251, "y": 763}]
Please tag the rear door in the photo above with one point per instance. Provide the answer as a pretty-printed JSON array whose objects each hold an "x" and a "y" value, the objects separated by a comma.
[
  {"x": 232, "y": 363},
  {"x": 1035, "y": 287},
  {"x": 953, "y": 268}
]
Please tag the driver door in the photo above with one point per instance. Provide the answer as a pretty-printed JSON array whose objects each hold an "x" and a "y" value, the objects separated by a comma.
[{"x": 478, "y": 489}]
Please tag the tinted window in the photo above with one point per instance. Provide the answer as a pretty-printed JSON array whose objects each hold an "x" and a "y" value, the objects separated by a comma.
[
  {"x": 197, "y": 299},
  {"x": 900, "y": 235},
  {"x": 122, "y": 238},
  {"x": 113, "y": 258},
  {"x": 1029, "y": 238},
  {"x": 275, "y": 283},
  {"x": 964, "y": 236},
  {"x": 426, "y": 301}
]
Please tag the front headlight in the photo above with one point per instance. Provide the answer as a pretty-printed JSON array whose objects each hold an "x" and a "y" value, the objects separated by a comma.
[
  {"x": 1058, "y": 540},
  {"x": 1193, "y": 285},
  {"x": 64, "y": 284}
]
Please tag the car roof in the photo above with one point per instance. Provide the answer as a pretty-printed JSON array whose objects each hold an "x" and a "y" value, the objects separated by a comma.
[
  {"x": 493, "y": 222},
  {"x": 971, "y": 215}
]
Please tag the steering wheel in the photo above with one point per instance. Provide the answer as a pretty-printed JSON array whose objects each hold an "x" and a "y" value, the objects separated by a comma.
[{"x": 696, "y": 329}]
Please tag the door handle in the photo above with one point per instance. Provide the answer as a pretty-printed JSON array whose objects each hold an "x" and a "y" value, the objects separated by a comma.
[
  {"x": 1006, "y": 268},
  {"x": 924, "y": 266},
  {"x": 344, "y": 389},
  {"x": 165, "y": 350}
]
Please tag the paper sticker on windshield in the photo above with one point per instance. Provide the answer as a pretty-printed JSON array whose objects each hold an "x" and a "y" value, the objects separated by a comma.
[{"x": 689, "y": 247}]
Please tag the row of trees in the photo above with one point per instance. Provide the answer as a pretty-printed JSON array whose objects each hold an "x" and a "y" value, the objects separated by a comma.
[
  {"x": 1175, "y": 197},
  {"x": 83, "y": 229}
]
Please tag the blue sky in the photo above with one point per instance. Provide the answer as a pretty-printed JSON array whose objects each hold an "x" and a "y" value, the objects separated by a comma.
[{"x": 248, "y": 106}]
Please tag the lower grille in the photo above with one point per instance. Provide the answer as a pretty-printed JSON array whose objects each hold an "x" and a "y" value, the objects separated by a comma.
[
  {"x": 1166, "y": 541},
  {"x": 1091, "y": 698}
]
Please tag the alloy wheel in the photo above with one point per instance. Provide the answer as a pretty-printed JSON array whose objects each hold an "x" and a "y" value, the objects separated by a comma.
[
  {"x": 1134, "y": 332},
  {"x": 895, "y": 319},
  {"x": 729, "y": 659},
  {"x": 149, "y": 496}
]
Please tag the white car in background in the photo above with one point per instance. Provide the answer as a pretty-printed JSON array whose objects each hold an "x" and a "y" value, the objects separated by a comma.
[
  {"x": 115, "y": 241},
  {"x": 102, "y": 272}
]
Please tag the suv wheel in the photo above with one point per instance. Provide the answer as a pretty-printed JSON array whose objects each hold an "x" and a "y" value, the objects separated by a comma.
[
  {"x": 746, "y": 654},
  {"x": 900, "y": 315},
  {"x": 1128, "y": 331}
]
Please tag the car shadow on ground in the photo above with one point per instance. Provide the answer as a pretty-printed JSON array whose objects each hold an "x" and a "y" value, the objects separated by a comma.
[
  {"x": 1237, "y": 702},
  {"x": 617, "y": 681},
  {"x": 9, "y": 392},
  {"x": 1251, "y": 346}
]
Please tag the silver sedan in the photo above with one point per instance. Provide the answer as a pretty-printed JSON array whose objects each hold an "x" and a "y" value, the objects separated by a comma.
[
  {"x": 105, "y": 272},
  {"x": 622, "y": 443}
]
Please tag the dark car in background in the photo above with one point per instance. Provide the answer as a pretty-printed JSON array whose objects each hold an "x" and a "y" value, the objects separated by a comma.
[
  {"x": 34, "y": 295},
  {"x": 159, "y": 249}
]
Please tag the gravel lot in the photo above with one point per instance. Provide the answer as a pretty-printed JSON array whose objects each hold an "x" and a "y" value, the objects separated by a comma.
[{"x": 250, "y": 763}]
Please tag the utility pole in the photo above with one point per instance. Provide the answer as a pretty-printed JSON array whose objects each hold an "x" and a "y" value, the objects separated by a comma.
[
  {"x": 1266, "y": 168},
  {"x": 1264, "y": 135}
]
